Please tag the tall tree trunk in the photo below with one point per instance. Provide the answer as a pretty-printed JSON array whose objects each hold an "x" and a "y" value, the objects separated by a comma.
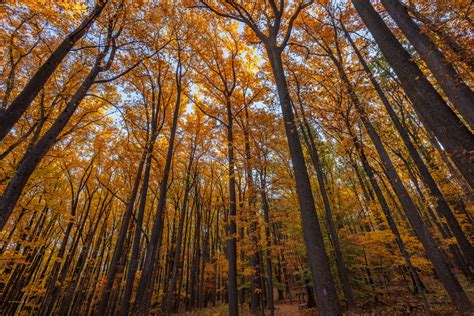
[
  {"x": 256, "y": 287},
  {"x": 152, "y": 256},
  {"x": 52, "y": 286},
  {"x": 447, "y": 77},
  {"x": 319, "y": 263},
  {"x": 431, "y": 108},
  {"x": 169, "y": 297},
  {"x": 463, "y": 54},
  {"x": 391, "y": 223},
  {"x": 441, "y": 204},
  {"x": 441, "y": 266},
  {"x": 268, "y": 255},
  {"x": 309, "y": 140},
  {"x": 35, "y": 154},
  {"x": 67, "y": 305},
  {"x": 12, "y": 114},
  {"x": 133, "y": 264},
  {"x": 119, "y": 245},
  {"x": 196, "y": 254},
  {"x": 232, "y": 230}
]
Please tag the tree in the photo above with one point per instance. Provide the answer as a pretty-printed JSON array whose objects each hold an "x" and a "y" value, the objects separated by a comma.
[
  {"x": 18, "y": 106},
  {"x": 431, "y": 108},
  {"x": 450, "y": 81},
  {"x": 152, "y": 172},
  {"x": 31, "y": 158},
  {"x": 275, "y": 44}
]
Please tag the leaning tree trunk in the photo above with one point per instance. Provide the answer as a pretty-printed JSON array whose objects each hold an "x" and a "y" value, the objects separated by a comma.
[
  {"x": 391, "y": 223},
  {"x": 346, "y": 285},
  {"x": 152, "y": 257},
  {"x": 463, "y": 54},
  {"x": 167, "y": 304},
  {"x": 120, "y": 243},
  {"x": 311, "y": 145},
  {"x": 447, "y": 77},
  {"x": 67, "y": 305},
  {"x": 441, "y": 204},
  {"x": 319, "y": 263},
  {"x": 133, "y": 264},
  {"x": 429, "y": 105},
  {"x": 36, "y": 153},
  {"x": 440, "y": 265},
  {"x": 15, "y": 110}
]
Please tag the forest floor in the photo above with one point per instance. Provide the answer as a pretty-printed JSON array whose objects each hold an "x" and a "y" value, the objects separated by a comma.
[
  {"x": 280, "y": 310},
  {"x": 393, "y": 300},
  {"x": 294, "y": 309}
]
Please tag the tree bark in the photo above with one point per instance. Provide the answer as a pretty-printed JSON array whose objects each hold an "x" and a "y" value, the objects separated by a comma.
[
  {"x": 36, "y": 153},
  {"x": 431, "y": 108},
  {"x": 152, "y": 256},
  {"x": 447, "y": 77},
  {"x": 319, "y": 263},
  {"x": 133, "y": 264},
  {"x": 441, "y": 204},
  {"x": 441, "y": 266},
  {"x": 391, "y": 223},
  {"x": 119, "y": 245},
  {"x": 232, "y": 231},
  {"x": 169, "y": 297},
  {"x": 256, "y": 287},
  {"x": 20, "y": 104},
  {"x": 309, "y": 140},
  {"x": 268, "y": 255}
]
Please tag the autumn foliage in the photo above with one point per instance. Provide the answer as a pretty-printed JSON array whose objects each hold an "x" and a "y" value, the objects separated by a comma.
[{"x": 240, "y": 157}]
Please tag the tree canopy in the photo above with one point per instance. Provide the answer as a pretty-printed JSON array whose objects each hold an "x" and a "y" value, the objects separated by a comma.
[{"x": 236, "y": 157}]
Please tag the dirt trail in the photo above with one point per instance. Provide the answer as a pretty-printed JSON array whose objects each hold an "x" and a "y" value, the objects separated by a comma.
[{"x": 292, "y": 309}]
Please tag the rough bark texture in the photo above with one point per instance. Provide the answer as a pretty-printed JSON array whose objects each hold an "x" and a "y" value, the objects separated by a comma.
[
  {"x": 15, "y": 110},
  {"x": 36, "y": 153},
  {"x": 323, "y": 283},
  {"x": 441, "y": 204},
  {"x": 436, "y": 115},
  {"x": 447, "y": 77}
]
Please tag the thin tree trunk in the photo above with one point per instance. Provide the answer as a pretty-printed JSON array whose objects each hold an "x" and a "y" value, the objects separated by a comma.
[
  {"x": 441, "y": 204},
  {"x": 67, "y": 305},
  {"x": 169, "y": 297},
  {"x": 447, "y": 77},
  {"x": 268, "y": 255},
  {"x": 119, "y": 245},
  {"x": 441, "y": 266},
  {"x": 35, "y": 154},
  {"x": 12, "y": 114},
  {"x": 152, "y": 255},
  {"x": 318, "y": 259},
  {"x": 256, "y": 287},
  {"x": 431, "y": 108},
  {"x": 391, "y": 223},
  {"x": 133, "y": 264},
  {"x": 309, "y": 140},
  {"x": 232, "y": 231}
]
